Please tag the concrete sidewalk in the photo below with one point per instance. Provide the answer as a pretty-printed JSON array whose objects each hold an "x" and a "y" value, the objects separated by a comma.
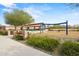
[{"x": 9, "y": 47}]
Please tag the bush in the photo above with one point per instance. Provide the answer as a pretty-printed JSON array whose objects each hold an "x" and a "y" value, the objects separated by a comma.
[
  {"x": 43, "y": 42},
  {"x": 70, "y": 49},
  {"x": 3, "y": 33},
  {"x": 18, "y": 37}
]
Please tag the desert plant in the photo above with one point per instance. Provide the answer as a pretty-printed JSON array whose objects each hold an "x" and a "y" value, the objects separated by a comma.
[
  {"x": 70, "y": 48},
  {"x": 3, "y": 33},
  {"x": 45, "y": 43},
  {"x": 18, "y": 37}
]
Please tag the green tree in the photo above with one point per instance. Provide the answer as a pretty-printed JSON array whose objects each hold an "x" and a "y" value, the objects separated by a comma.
[{"x": 17, "y": 18}]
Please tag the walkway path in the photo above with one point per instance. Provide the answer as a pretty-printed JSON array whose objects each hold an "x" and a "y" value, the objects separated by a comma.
[{"x": 9, "y": 47}]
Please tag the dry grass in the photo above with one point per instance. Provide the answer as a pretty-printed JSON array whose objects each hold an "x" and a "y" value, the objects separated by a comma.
[{"x": 61, "y": 34}]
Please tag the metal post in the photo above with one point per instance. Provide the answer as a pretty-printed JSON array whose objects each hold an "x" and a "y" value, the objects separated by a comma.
[
  {"x": 67, "y": 27},
  {"x": 40, "y": 28}
]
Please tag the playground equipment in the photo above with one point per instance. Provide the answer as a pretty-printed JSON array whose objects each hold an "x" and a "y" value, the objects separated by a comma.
[
  {"x": 66, "y": 23},
  {"x": 43, "y": 26}
]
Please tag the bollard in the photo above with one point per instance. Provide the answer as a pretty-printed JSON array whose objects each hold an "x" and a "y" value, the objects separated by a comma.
[
  {"x": 8, "y": 32},
  {"x": 25, "y": 34}
]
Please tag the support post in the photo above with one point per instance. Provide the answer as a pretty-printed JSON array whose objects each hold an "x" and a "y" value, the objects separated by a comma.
[
  {"x": 67, "y": 27},
  {"x": 40, "y": 28}
]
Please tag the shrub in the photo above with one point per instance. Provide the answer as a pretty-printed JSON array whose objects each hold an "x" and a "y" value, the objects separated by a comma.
[
  {"x": 43, "y": 42},
  {"x": 3, "y": 33},
  {"x": 18, "y": 37},
  {"x": 70, "y": 49}
]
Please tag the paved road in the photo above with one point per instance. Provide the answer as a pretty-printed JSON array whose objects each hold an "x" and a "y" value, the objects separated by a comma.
[{"x": 9, "y": 47}]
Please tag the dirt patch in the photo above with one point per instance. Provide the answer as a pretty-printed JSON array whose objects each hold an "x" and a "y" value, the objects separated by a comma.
[{"x": 72, "y": 35}]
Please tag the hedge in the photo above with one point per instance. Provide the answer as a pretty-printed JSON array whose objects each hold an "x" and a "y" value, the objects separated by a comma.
[
  {"x": 3, "y": 33},
  {"x": 18, "y": 37},
  {"x": 70, "y": 48},
  {"x": 45, "y": 43}
]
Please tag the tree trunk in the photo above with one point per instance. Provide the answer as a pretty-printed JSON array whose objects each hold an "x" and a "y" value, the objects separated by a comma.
[{"x": 21, "y": 27}]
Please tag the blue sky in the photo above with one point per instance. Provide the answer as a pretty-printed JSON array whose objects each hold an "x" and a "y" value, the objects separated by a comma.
[{"x": 45, "y": 12}]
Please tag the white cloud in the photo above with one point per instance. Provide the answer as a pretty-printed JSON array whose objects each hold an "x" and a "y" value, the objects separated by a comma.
[
  {"x": 7, "y": 10},
  {"x": 72, "y": 17},
  {"x": 6, "y": 3},
  {"x": 34, "y": 12},
  {"x": 38, "y": 12},
  {"x": 9, "y": 7}
]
